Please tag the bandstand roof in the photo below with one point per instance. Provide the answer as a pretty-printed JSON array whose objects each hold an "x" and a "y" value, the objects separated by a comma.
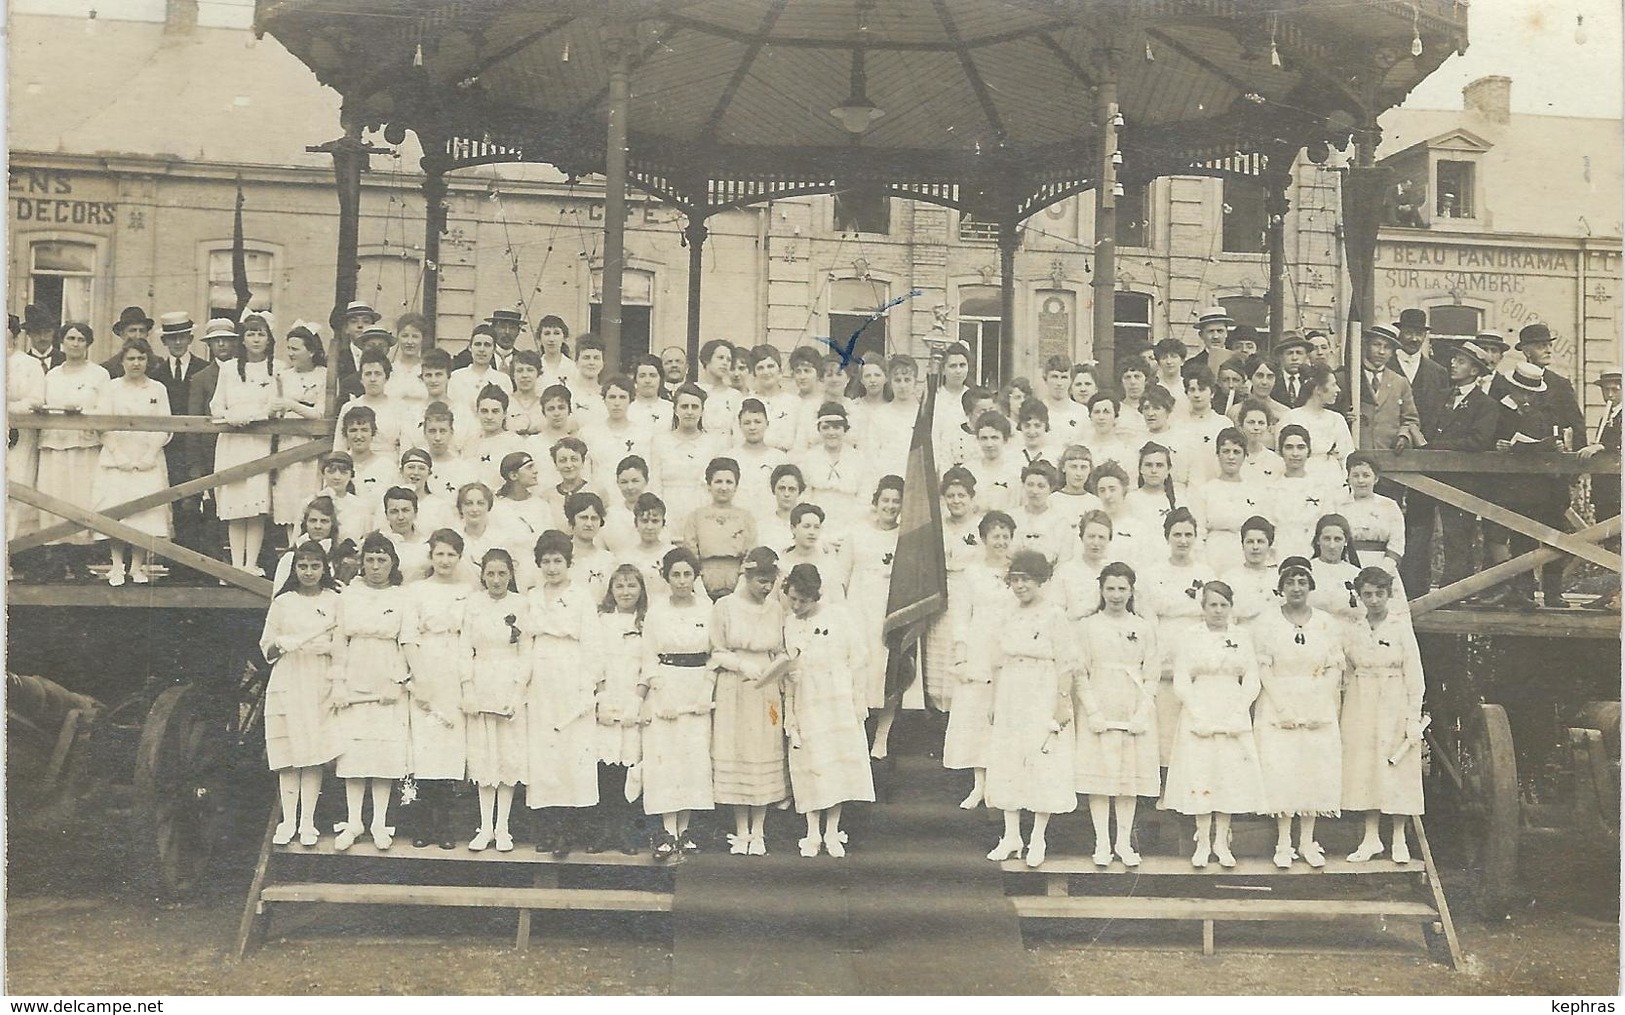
[{"x": 986, "y": 103}]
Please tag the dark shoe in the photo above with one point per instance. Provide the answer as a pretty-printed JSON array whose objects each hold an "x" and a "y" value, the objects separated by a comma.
[
  {"x": 632, "y": 842},
  {"x": 447, "y": 841},
  {"x": 666, "y": 847},
  {"x": 420, "y": 842},
  {"x": 561, "y": 846},
  {"x": 687, "y": 844}
]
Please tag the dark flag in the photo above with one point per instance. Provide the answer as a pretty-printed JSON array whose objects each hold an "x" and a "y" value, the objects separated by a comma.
[
  {"x": 919, "y": 576},
  {"x": 239, "y": 258}
]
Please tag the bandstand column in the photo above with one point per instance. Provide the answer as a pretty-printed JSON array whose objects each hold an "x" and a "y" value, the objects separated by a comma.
[
  {"x": 349, "y": 160},
  {"x": 618, "y": 50},
  {"x": 1276, "y": 205},
  {"x": 1105, "y": 280},
  {"x": 694, "y": 235},
  {"x": 434, "y": 223},
  {"x": 1009, "y": 240}
]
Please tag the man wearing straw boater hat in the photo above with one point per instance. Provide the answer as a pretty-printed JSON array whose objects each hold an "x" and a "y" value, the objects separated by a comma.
[
  {"x": 1213, "y": 327},
  {"x": 505, "y": 324},
  {"x": 1528, "y": 423},
  {"x": 355, "y": 320}
]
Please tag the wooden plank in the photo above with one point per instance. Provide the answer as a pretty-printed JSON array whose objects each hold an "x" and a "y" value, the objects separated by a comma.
[
  {"x": 300, "y": 427},
  {"x": 1512, "y": 520},
  {"x": 1511, "y": 623},
  {"x": 135, "y": 537},
  {"x": 1207, "y": 937},
  {"x": 1178, "y": 866},
  {"x": 252, "y": 927},
  {"x": 285, "y": 457},
  {"x": 146, "y": 597},
  {"x": 405, "y": 851},
  {"x": 1102, "y": 907},
  {"x": 480, "y": 896},
  {"x": 1436, "y": 887},
  {"x": 1486, "y": 579},
  {"x": 1396, "y": 463}
]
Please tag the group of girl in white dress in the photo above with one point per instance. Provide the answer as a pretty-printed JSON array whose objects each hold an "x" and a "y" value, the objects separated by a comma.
[{"x": 616, "y": 595}]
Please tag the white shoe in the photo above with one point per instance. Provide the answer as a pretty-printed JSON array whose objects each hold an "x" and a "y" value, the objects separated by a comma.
[
  {"x": 738, "y": 845},
  {"x": 1312, "y": 854},
  {"x": 309, "y": 836},
  {"x": 139, "y": 576},
  {"x": 1284, "y": 855},
  {"x": 1127, "y": 855},
  {"x": 1366, "y": 851},
  {"x": 481, "y": 840},
  {"x": 1102, "y": 857},
  {"x": 1401, "y": 852},
  {"x": 115, "y": 578},
  {"x": 811, "y": 845},
  {"x": 1035, "y": 853},
  {"x": 1200, "y": 858},
  {"x": 283, "y": 834},
  {"x": 756, "y": 846},
  {"x": 255, "y": 570},
  {"x": 382, "y": 837},
  {"x": 973, "y": 801},
  {"x": 1006, "y": 849},
  {"x": 346, "y": 837},
  {"x": 835, "y": 844},
  {"x": 504, "y": 842},
  {"x": 1221, "y": 852}
]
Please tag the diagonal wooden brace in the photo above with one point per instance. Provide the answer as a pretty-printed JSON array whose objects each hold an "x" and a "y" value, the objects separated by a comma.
[
  {"x": 283, "y": 458},
  {"x": 1492, "y": 576},
  {"x": 1509, "y": 519},
  {"x": 152, "y": 544}
]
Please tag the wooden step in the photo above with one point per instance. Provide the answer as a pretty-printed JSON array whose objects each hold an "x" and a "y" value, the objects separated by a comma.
[
  {"x": 603, "y": 899},
  {"x": 1180, "y": 866},
  {"x": 524, "y": 853},
  {"x": 1137, "y": 907}
]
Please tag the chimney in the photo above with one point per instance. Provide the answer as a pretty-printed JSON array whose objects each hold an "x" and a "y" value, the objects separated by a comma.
[
  {"x": 1490, "y": 98},
  {"x": 180, "y": 16}
]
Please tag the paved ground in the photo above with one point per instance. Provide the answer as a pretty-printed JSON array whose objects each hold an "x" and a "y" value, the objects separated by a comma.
[{"x": 74, "y": 928}]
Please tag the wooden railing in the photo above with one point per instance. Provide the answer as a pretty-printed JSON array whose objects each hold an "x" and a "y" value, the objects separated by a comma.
[
  {"x": 1431, "y": 473},
  {"x": 107, "y": 521}
]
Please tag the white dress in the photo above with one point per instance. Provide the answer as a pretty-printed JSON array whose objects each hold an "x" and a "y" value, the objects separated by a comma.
[
  {"x": 677, "y": 470},
  {"x": 1329, "y": 441},
  {"x": 676, "y": 762},
  {"x": 985, "y": 601},
  {"x": 1301, "y": 670},
  {"x": 747, "y": 736},
  {"x": 1334, "y": 590},
  {"x": 1172, "y": 596},
  {"x": 68, "y": 458},
  {"x": 1379, "y": 529},
  {"x": 1030, "y": 759},
  {"x": 240, "y": 398},
  {"x": 293, "y": 486},
  {"x": 1118, "y": 687},
  {"x": 615, "y": 651},
  {"x": 1296, "y": 504},
  {"x": 25, "y": 384},
  {"x": 870, "y": 551},
  {"x": 1048, "y": 532},
  {"x": 1255, "y": 592},
  {"x": 391, "y": 426},
  {"x": 562, "y": 713},
  {"x": 499, "y": 673},
  {"x": 131, "y": 463},
  {"x": 829, "y": 753},
  {"x": 962, "y": 547},
  {"x": 1216, "y": 673},
  {"x": 373, "y": 737},
  {"x": 434, "y": 623},
  {"x": 835, "y": 483},
  {"x": 1221, "y": 508},
  {"x": 1383, "y": 692},
  {"x": 298, "y": 724}
]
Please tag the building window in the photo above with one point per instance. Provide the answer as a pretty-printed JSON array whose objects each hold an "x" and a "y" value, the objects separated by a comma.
[
  {"x": 1252, "y": 311},
  {"x": 1134, "y": 216},
  {"x": 862, "y": 210},
  {"x": 261, "y": 267},
  {"x": 1454, "y": 190},
  {"x": 852, "y": 302},
  {"x": 975, "y": 230},
  {"x": 981, "y": 328},
  {"x": 1455, "y": 322},
  {"x": 637, "y": 312},
  {"x": 1131, "y": 320},
  {"x": 1244, "y": 217},
  {"x": 62, "y": 278}
]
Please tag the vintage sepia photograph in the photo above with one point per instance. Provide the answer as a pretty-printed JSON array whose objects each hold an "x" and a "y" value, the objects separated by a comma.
[{"x": 813, "y": 497}]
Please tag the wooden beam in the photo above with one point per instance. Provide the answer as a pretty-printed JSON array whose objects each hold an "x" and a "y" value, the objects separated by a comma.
[
  {"x": 974, "y": 76},
  {"x": 289, "y": 456},
  {"x": 1509, "y": 519},
  {"x": 135, "y": 537},
  {"x": 147, "y": 597},
  {"x": 1492, "y": 576},
  {"x": 1201, "y": 61},
  {"x": 1066, "y": 60},
  {"x": 1515, "y": 624},
  {"x": 1496, "y": 462},
  {"x": 754, "y": 47},
  {"x": 168, "y": 424}
]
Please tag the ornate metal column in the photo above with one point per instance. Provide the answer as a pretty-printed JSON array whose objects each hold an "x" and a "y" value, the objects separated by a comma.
[
  {"x": 694, "y": 235},
  {"x": 1276, "y": 206},
  {"x": 1105, "y": 280},
  {"x": 434, "y": 224},
  {"x": 619, "y": 50}
]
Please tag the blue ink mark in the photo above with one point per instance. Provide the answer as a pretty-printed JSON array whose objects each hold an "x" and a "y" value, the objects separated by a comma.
[{"x": 846, "y": 351}]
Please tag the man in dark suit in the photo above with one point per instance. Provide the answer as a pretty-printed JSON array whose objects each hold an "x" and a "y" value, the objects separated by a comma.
[
  {"x": 505, "y": 323},
  {"x": 1535, "y": 342},
  {"x": 223, "y": 340},
  {"x": 357, "y": 318},
  {"x": 1605, "y": 488},
  {"x": 39, "y": 337},
  {"x": 1213, "y": 327},
  {"x": 174, "y": 369},
  {"x": 132, "y": 323},
  {"x": 1293, "y": 356},
  {"x": 1430, "y": 386},
  {"x": 1470, "y": 422}
]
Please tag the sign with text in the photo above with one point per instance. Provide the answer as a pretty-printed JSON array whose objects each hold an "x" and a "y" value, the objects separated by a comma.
[{"x": 54, "y": 198}]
